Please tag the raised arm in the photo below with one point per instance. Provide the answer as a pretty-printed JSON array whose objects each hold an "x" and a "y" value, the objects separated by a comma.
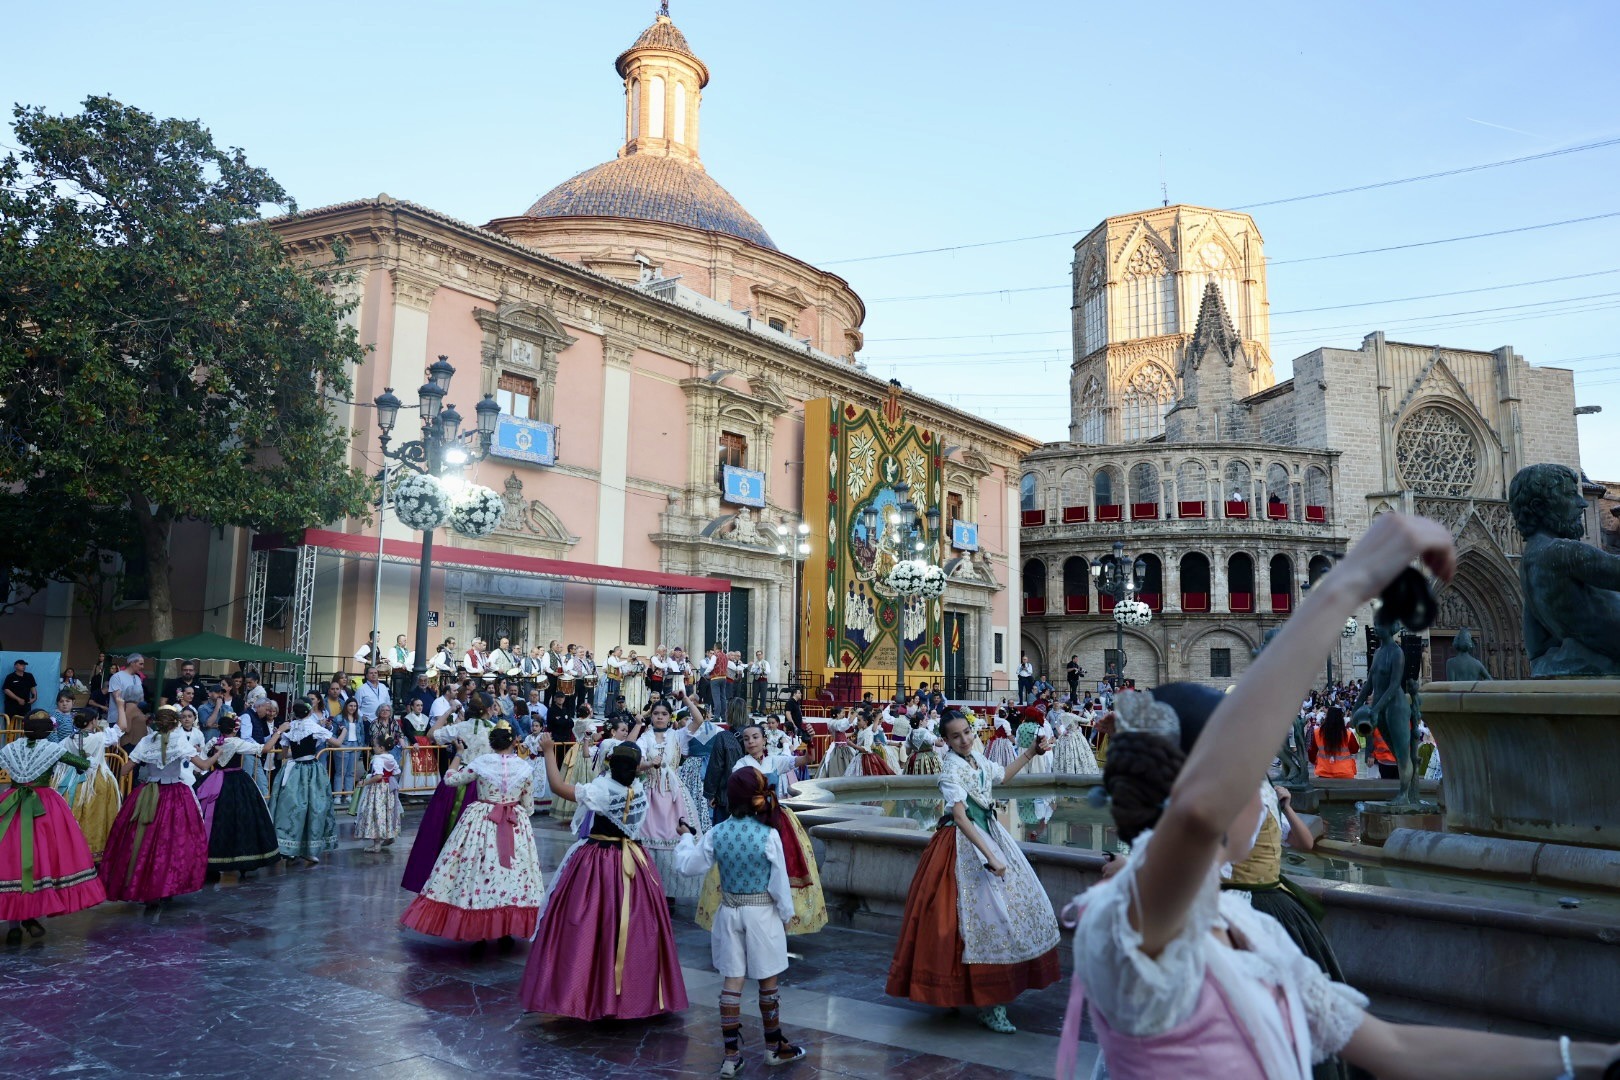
[
  {"x": 1027, "y": 755},
  {"x": 1230, "y": 759},
  {"x": 560, "y": 788}
]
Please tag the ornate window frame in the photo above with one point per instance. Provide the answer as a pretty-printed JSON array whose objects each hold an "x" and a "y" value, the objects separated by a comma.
[{"x": 522, "y": 338}]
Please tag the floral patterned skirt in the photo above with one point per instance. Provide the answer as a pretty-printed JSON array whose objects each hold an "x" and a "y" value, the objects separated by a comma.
[{"x": 471, "y": 895}]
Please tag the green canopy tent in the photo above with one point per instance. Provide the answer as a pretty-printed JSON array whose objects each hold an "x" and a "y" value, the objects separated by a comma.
[{"x": 213, "y": 647}]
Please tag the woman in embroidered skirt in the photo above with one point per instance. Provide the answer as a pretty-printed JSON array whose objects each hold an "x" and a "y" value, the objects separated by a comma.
[
  {"x": 1072, "y": 754},
  {"x": 605, "y": 946},
  {"x": 696, "y": 741},
  {"x": 745, "y": 854},
  {"x": 45, "y": 865},
  {"x": 1000, "y": 748},
  {"x": 869, "y": 758},
  {"x": 978, "y": 929},
  {"x": 95, "y": 796},
  {"x": 241, "y": 833},
  {"x": 419, "y": 761},
  {"x": 667, "y": 801},
  {"x": 444, "y": 808},
  {"x": 486, "y": 883},
  {"x": 804, "y": 877},
  {"x": 301, "y": 796},
  {"x": 378, "y": 810},
  {"x": 840, "y": 754},
  {"x": 158, "y": 847}
]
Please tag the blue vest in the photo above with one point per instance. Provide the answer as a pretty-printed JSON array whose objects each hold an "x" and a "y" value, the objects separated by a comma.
[{"x": 739, "y": 849}]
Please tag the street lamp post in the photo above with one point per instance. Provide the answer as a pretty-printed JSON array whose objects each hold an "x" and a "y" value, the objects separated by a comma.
[
  {"x": 1345, "y": 634},
  {"x": 795, "y": 544},
  {"x": 1113, "y": 579},
  {"x": 910, "y": 535},
  {"x": 442, "y": 446}
]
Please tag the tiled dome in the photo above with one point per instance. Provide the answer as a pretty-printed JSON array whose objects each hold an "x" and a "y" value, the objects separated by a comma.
[
  {"x": 653, "y": 187},
  {"x": 662, "y": 34}
]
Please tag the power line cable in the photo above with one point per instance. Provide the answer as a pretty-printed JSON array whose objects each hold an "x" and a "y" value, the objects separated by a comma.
[{"x": 1577, "y": 149}]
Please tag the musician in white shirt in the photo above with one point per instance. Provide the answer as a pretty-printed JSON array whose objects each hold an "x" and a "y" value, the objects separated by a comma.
[
  {"x": 473, "y": 662},
  {"x": 676, "y": 672},
  {"x": 502, "y": 661}
]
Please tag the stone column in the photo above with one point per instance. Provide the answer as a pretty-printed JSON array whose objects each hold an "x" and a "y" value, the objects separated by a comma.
[
  {"x": 987, "y": 646},
  {"x": 1219, "y": 601},
  {"x": 773, "y": 630},
  {"x": 697, "y": 603},
  {"x": 1172, "y": 582}
]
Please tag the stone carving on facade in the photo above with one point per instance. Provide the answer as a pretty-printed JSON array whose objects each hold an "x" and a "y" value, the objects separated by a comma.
[
  {"x": 1436, "y": 453},
  {"x": 530, "y": 517},
  {"x": 1146, "y": 261}
]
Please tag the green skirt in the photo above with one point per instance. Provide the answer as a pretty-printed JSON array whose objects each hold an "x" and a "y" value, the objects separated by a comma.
[{"x": 301, "y": 805}]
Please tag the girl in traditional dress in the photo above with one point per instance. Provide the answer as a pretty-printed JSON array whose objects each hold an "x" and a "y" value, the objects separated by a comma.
[
  {"x": 241, "y": 833},
  {"x": 1072, "y": 754},
  {"x": 1032, "y": 730},
  {"x": 746, "y": 855},
  {"x": 45, "y": 865},
  {"x": 605, "y": 946},
  {"x": 696, "y": 741},
  {"x": 869, "y": 758},
  {"x": 1000, "y": 747},
  {"x": 804, "y": 877},
  {"x": 619, "y": 731},
  {"x": 978, "y": 929},
  {"x": 96, "y": 797},
  {"x": 444, "y": 808},
  {"x": 840, "y": 754},
  {"x": 419, "y": 761},
  {"x": 1186, "y": 980},
  {"x": 486, "y": 884},
  {"x": 667, "y": 801},
  {"x": 924, "y": 759},
  {"x": 578, "y": 766},
  {"x": 376, "y": 817},
  {"x": 301, "y": 794},
  {"x": 158, "y": 847}
]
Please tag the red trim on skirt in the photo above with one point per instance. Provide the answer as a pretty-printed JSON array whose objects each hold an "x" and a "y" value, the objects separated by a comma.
[
  {"x": 927, "y": 964},
  {"x": 436, "y": 918}
]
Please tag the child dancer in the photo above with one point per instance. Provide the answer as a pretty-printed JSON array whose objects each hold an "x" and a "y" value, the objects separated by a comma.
[
  {"x": 667, "y": 804},
  {"x": 1072, "y": 753},
  {"x": 241, "y": 834},
  {"x": 95, "y": 797},
  {"x": 924, "y": 760},
  {"x": 605, "y": 946},
  {"x": 749, "y": 940},
  {"x": 869, "y": 758},
  {"x": 696, "y": 741},
  {"x": 301, "y": 797},
  {"x": 157, "y": 848},
  {"x": 377, "y": 813},
  {"x": 45, "y": 865},
  {"x": 486, "y": 883},
  {"x": 840, "y": 754},
  {"x": 578, "y": 767},
  {"x": 978, "y": 929}
]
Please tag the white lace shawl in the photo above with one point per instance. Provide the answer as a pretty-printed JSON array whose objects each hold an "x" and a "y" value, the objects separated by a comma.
[
  {"x": 150, "y": 750},
  {"x": 28, "y": 761},
  {"x": 303, "y": 729},
  {"x": 501, "y": 778},
  {"x": 1147, "y": 996},
  {"x": 625, "y": 807},
  {"x": 961, "y": 779}
]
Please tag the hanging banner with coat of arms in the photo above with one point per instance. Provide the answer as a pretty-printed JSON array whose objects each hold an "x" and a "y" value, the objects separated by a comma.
[{"x": 855, "y": 458}]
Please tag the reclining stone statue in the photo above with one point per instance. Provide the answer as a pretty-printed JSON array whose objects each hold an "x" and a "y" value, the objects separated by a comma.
[{"x": 1571, "y": 589}]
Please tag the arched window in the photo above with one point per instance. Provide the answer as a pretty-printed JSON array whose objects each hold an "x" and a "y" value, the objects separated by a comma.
[
  {"x": 1029, "y": 492},
  {"x": 1150, "y": 293},
  {"x": 680, "y": 112},
  {"x": 1151, "y": 392},
  {"x": 1277, "y": 493},
  {"x": 1074, "y": 494},
  {"x": 1282, "y": 583},
  {"x": 1034, "y": 579},
  {"x": 1318, "y": 495},
  {"x": 1319, "y": 565},
  {"x": 1092, "y": 296},
  {"x": 1144, "y": 491},
  {"x": 1219, "y": 266},
  {"x": 655, "y": 106},
  {"x": 1195, "y": 582},
  {"x": 1151, "y": 590},
  {"x": 1076, "y": 584},
  {"x": 1240, "y": 583},
  {"x": 1106, "y": 493},
  {"x": 1192, "y": 488},
  {"x": 635, "y": 108},
  {"x": 1238, "y": 481},
  {"x": 1091, "y": 413}
]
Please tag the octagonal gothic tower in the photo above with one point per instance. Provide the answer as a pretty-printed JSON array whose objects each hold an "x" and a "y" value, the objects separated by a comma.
[{"x": 1139, "y": 284}]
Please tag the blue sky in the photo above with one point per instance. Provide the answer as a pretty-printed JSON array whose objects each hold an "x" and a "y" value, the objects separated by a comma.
[{"x": 858, "y": 129}]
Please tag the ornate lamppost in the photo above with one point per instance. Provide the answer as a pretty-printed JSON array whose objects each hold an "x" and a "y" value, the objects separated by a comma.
[
  {"x": 1347, "y": 633},
  {"x": 421, "y": 501},
  {"x": 795, "y": 544},
  {"x": 1114, "y": 579},
  {"x": 910, "y": 535}
]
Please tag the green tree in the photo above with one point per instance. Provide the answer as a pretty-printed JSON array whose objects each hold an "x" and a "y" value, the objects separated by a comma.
[{"x": 161, "y": 355}]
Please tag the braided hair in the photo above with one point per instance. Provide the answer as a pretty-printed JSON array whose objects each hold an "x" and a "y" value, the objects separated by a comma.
[
  {"x": 749, "y": 794},
  {"x": 1142, "y": 768}
]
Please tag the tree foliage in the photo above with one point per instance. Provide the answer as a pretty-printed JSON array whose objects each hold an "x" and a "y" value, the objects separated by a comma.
[{"x": 160, "y": 354}]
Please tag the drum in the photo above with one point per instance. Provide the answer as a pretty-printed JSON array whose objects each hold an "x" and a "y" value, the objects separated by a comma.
[
  {"x": 565, "y": 685},
  {"x": 589, "y": 681}
]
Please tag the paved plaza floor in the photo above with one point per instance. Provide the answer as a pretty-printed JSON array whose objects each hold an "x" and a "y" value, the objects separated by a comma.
[{"x": 305, "y": 973}]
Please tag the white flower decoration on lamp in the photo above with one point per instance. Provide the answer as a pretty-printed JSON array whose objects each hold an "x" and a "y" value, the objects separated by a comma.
[
  {"x": 907, "y": 577},
  {"x": 933, "y": 582},
  {"x": 421, "y": 503},
  {"x": 477, "y": 513},
  {"x": 1132, "y": 613}
]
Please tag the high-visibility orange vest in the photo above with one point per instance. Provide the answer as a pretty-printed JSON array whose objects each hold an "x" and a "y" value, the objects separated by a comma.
[
  {"x": 1336, "y": 765},
  {"x": 1381, "y": 751}
]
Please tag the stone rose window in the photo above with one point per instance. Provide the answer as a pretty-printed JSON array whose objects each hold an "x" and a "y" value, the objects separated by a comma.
[{"x": 1437, "y": 453}]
